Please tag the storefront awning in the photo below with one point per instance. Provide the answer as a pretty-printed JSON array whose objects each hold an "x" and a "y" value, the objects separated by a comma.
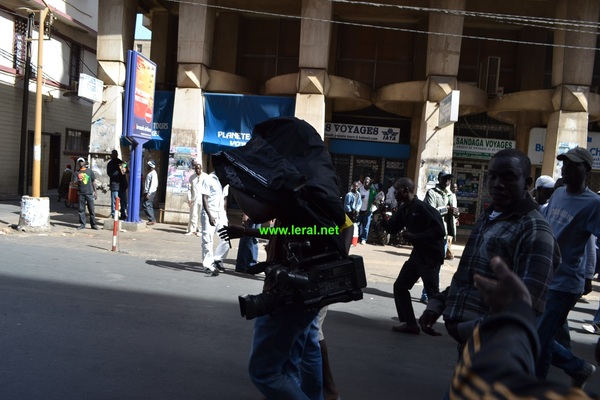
[
  {"x": 230, "y": 118},
  {"x": 373, "y": 149}
]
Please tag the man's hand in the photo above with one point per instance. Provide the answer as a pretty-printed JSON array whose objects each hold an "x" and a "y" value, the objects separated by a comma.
[
  {"x": 427, "y": 321},
  {"x": 231, "y": 232},
  {"x": 408, "y": 236},
  {"x": 507, "y": 289}
]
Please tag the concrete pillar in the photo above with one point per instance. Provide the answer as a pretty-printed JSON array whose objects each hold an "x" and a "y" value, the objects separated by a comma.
[
  {"x": 195, "y": 41},
  {"x": 443, "y": 52},
  {"x": 163, "y": 47},
  {"x": 571, "y": 77},
  {"x": 116, "y": 25},
  {"x": 313, "y": 80},
  {"x": 226, "y": 42},
  {"x": 434, "y": 145}
]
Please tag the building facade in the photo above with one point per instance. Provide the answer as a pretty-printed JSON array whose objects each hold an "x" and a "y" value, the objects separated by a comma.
[
  {"x": 376, "y": 79},
  {"x": 69, "y": 49}
]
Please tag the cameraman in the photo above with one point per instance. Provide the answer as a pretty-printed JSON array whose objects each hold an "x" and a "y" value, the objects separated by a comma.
[{"x": 285, "y": 361}]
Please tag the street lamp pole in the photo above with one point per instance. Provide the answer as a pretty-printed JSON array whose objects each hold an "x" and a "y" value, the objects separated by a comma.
[{"x": 37, "y": 133}]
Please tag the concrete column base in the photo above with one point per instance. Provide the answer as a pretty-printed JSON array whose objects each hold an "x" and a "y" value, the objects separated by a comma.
[
  {"x": 125, "y": 226},
  {"x": 35, "y": 214}
]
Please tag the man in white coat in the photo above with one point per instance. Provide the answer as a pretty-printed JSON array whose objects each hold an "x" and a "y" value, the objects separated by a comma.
[
  {"x": 214, "y": 217},
  {"x": 195, "y": 199}
]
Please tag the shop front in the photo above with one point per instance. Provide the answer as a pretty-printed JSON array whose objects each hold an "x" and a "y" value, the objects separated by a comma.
[
  {"x": 471, "y": 156},
  {"x": 358, "y": 151},
  {"x": 537, "y": 140}
]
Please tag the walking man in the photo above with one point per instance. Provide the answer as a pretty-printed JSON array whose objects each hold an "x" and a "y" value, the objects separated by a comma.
[
  {"x": 150, "y": 188},
  {"x": 573, "y": 212},
  {"x": 214, "y": 217},
  {"x": 511, "y": 228},
  {"x": 424, "y": 229}
]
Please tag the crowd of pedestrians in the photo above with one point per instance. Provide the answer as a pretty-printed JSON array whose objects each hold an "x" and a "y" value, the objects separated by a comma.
[{"x": 539, "y": 239}]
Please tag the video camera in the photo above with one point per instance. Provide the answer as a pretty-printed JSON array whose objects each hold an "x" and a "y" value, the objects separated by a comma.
[{"x": 306, "y": 284}]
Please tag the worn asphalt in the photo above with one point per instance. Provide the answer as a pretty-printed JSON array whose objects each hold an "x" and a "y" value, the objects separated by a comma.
[{"x": 369, "y": 361}]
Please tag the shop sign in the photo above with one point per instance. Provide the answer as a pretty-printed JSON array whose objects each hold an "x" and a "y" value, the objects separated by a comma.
[
  {"x": 480, "y": 148},
  {"x": 362, "y": 132},
  {"x": 537, "y": 140},
  {"x": 449, "y": 109}
]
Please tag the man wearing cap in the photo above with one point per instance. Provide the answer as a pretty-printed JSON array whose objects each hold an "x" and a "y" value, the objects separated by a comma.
[
  {"x": 573, "y": 213},
  {"x": 440, "y": 198},
  {"x": 86, "y": 186},
  {"x": 150, "y": 188},
  {"x": 544, "y": 187}
]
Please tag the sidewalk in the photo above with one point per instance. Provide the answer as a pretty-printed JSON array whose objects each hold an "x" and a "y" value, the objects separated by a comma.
[{"x": 168, "y": 242}]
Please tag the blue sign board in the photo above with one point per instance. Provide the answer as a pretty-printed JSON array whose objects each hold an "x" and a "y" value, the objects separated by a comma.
[{"x": 230, "y": 118}]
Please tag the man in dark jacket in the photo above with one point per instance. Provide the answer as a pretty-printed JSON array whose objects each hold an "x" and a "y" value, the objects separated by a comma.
[
  {"x": 114, "y": 177},
  {"x": 425, "y": 230}
]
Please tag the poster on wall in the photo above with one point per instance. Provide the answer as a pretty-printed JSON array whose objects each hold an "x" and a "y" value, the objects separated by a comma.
[{"x": 181, "y": 162}]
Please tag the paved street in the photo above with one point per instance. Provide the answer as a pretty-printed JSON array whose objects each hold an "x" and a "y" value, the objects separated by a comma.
[{"x": 79, "y": 321}]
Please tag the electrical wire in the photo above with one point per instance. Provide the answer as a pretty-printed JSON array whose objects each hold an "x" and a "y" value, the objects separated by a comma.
[{"x": 407, "y": 30}]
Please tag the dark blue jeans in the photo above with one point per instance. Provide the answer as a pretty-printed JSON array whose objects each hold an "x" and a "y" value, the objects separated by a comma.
[
  {"x": 364, "y": 217},
  {"x": 247, "y": 254},
  {"x": 558, "y": 305},
  {"x": 285, "y": 363}
]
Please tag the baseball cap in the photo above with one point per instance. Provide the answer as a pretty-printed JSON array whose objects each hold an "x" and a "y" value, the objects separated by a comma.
[
  {"x": 151, "y": 164},
  {"x": 545, "y": 182},
  {"x": 443, "y": 173},
  {"x": 80, "y": 159},
  {"x": 578, "y": 155}
]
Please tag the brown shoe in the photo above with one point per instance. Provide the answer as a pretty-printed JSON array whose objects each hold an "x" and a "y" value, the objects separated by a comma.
[
  {"x": 449, "y": 255},
  {"x": 412, "y": 329},
  {"x": 150, "y": 223}
]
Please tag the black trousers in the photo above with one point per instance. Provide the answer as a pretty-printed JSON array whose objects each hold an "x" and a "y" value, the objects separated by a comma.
[
  {"x": 414, "y": 268},
  {"x": 89, "y": 200}
]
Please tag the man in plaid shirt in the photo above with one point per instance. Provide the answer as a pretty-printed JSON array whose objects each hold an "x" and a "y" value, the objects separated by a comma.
[{"x": 511, "y": 228}]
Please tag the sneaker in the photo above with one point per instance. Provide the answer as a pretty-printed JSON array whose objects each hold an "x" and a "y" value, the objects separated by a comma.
[
  {"x": 211, "y": 272},
  {"x": 582, "y": 375},
  {"x": 363, "y": 242},
  {"x": 424, "y": 298},
  {"x": 150, "y": 223},
  {"x": 189, "y": 233},
  {"x": 80, "y": 227},
  {"x": 218, "y": 264},
  {"x": 96, "y": 227},
  {"x": 591, "y": 328}
]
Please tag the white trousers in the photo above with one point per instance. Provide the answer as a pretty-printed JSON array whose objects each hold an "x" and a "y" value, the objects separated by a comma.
[
  {"x": 194, "y": 224},
  {"x": 208, "y": 234}
]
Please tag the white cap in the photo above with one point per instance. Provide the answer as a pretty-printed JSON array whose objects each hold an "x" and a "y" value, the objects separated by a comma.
[
  {"x": 81, "y": 159},
  {"x": 545, "y": 182}
]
